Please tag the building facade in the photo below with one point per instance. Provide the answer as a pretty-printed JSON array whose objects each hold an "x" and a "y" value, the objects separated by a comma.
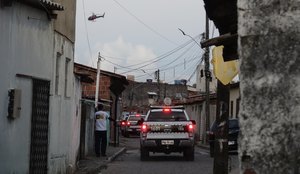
[
  {"x": 111, "y": 86},
  {"x": 38, "y": 99},
  {"x": 138, "y": 96},
  {"x": 234, "y": 100}
]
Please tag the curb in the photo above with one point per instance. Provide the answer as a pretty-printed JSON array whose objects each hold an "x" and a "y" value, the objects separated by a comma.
[
  {"x": 108, "y": 160},
  {"x": 203, "y": 146},
  {"x": 114, "y": 156}
]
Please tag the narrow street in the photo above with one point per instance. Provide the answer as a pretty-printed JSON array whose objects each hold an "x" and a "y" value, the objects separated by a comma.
[{"x": 174, "y": 163}]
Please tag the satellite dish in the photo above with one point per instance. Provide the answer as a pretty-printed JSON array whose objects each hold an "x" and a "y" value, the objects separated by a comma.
[{"x": 168, "y": 101}]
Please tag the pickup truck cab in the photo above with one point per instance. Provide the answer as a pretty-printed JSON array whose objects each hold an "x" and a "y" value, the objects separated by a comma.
[{"x": 167, "y": 129}]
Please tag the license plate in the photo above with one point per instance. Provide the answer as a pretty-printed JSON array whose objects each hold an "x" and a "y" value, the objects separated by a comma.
[
  {"x": 138, "y": 129},
  {"x": 231, "y": 143},
  {"x": 167, "y": 142}
]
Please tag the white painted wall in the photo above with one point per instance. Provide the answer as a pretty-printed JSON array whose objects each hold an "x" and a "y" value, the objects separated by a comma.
[
  {"x": 29, "y": 46},
  {"x": 196, "y": 111},
  {"x": 63, "y": 111},
  {"x": 200, "y": 81},
  {"x": 26, "y": 48}
]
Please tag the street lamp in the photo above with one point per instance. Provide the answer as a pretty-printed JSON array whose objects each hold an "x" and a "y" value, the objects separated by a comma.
[
  {"x": 207, "y": 77},
  {"x": 190, "y": 37}
]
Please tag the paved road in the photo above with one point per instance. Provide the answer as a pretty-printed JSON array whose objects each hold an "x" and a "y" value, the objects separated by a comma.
[{"x": 129, "y": 163}]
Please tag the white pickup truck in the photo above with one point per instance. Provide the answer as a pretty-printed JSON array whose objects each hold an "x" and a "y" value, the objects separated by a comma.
[{"x": 167, "y": 129}]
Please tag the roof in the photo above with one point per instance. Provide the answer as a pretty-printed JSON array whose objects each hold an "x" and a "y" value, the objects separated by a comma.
[
  {"x": 223, "y": 13},
  {"x": 51, "y": 5},
  {"x": 151, "y": 93},
  {"x": 84, "y": 77},
  {"x": 46, "y": 5},
  {"x": 83, "y": 68}
]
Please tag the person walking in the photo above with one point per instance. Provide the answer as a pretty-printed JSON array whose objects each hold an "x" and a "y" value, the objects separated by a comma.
[{"x": 101, "y": 118}]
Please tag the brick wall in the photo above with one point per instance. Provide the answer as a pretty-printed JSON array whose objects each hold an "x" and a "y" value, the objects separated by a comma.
[{"x": 89, "y": 89}]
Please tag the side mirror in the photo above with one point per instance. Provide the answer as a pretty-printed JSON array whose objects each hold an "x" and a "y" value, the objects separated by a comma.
[{"x": 193, "y": 122}]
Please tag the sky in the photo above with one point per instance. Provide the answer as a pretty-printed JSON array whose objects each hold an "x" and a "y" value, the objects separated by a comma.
[{"x": 138, "y": 37}]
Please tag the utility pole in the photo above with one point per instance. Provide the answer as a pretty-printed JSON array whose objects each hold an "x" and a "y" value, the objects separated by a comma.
[
  {"x": 97, "y": 80},
  {"x": 207, "y": 74},
  {"x": 207, "y": 79},
  {"x": 158, "y": 81}
]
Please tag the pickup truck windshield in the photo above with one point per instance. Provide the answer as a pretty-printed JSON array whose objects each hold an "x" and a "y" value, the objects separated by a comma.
[
  {"x": 167, "y": 116},
  {"x": 135, "y": 118}
]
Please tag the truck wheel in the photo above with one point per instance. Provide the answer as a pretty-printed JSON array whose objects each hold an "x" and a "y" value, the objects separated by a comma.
[
  {"x": 144, "y": 154},
  {"x": 189, "y": 154}
]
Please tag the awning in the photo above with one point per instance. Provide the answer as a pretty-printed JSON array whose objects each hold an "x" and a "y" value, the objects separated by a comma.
[
  {"x": 46, "y": 5},
  {"x": 151, "y": 93},
  {"x": 51, "y": 5}
]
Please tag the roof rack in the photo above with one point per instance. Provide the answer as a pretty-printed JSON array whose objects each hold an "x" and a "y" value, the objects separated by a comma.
[{"x": 172, "y": 107}]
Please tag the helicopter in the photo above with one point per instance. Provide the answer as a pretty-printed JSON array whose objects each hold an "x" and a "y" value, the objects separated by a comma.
[{"x": 95, "y": 16}]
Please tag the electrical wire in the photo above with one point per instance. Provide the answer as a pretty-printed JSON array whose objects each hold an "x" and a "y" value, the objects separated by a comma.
[
  {"x": 86, "y": 32},
  {"x": 163, "y": 56},
  {"x": 159, "y": 58},
  {"x": 147, "y": 26},
  {"x": 181, "y": 72}
]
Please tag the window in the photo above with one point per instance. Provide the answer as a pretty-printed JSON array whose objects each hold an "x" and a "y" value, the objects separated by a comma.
[
  {"x": 67, "y": 76},
  {"x": 167, "y": 116},
  {"x": 231, "y": 109},
  {"x": 57, "y": 69},
  {"x": 237, "y": 107}
]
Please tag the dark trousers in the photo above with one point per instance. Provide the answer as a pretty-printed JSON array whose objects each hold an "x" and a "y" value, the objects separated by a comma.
[{"x": 100, "y": 140}]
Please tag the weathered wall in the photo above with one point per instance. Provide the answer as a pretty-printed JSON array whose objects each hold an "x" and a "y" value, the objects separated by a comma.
[
  {"x": 62, "y": 111},
  {"x": 65, "y": 22},
  {"x": 196, "y": 111},
  {"x": 29, "y": 46},
  {"x": 88, "y": 89},
  {"x": 74, "y": 142},
  {"x": 26, "y": 47},
  {"x": 269, "y": 46},
  {"x": 136, "y": 94}
]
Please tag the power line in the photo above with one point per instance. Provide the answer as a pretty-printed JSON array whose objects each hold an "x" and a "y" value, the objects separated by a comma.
[
  {"x": 182, "y": 72},
  {"x": 151, "y": 61},
  {"x": 86, "y": 32},
  {"x": 147, "y": 26}
]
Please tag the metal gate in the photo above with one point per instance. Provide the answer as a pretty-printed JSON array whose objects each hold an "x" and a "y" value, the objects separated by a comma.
[{"x": 39, "y": 127}]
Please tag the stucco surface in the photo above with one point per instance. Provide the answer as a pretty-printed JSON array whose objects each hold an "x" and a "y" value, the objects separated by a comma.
[{"x": 269, "y": 46}]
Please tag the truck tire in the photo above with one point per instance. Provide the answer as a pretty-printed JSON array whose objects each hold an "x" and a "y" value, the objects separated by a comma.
[
  {"x": 144, "y": 154},
  {"x": 189, "y": 154}
]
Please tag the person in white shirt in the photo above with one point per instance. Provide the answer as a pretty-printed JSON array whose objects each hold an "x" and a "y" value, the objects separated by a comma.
[{"x": 101, "y": 118}]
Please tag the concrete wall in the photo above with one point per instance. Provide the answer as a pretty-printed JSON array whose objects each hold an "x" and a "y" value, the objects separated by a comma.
[
  {"x": 136, "y": 94},
  {"x": 269, "y": 44},
  {"x": 200, "y": 81},
  {"x": 26, "y": 47},
  {"x": 196, "y": 111},
  {"x": 62, "y": 107},
  {"x": 74, "y": 142},
  {"x": 29, "y": 47},
  {"x": 65, "y": 22}
]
